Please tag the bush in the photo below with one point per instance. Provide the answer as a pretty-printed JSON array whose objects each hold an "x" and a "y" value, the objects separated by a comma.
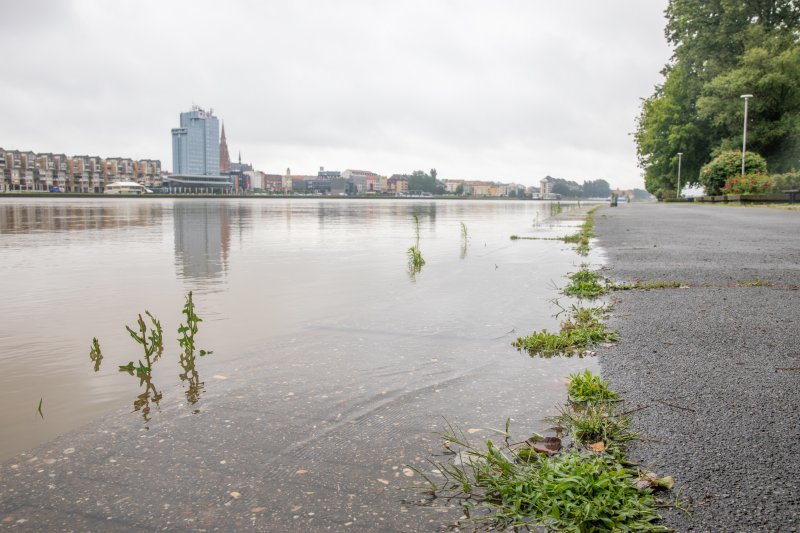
[
  {"x": 789, "y": 180},
  {"x": 750, "y": 184},
  {"x": 726, "y": 165}
]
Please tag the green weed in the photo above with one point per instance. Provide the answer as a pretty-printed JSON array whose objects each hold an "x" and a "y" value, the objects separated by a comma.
[
  {"x": 585, "y": 284},
  {"x": 537, "y": 485},
  {"x": 578, "y": 333},
  {"x": 156, "y": 339},
  {"x": 95, "y": 354},
  {"x": 189, "y": 330},
  {"x": 588, "y": 388}
]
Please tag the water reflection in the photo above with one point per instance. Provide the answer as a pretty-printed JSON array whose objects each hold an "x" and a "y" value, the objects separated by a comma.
[
  {"x": 23, "y": 217},
  {"x": 203, "y": 238},
  {"x": 191, "y": 378}
]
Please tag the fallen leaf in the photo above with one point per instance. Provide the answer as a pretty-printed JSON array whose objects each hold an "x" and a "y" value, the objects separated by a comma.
[
  {"x": 548, "y": 445},
  {"x": 218, "y": 376},
  {"x": 301, "y": 472},
  {"x": 258, "y": 509},
  {"x": 408, "y": 472},
  {"x": 599, "y": 447},
  {"x": 235, "y": 495},
  {"x": 473, "y": 430},
  {"x": 383, "y": 481}
]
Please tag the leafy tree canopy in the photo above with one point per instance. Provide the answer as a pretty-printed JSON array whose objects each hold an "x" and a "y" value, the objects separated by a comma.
[{"x": 723, "y": 49}]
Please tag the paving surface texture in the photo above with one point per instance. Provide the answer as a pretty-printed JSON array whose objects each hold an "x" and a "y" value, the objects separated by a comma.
[{"x": 715, "y": 367}]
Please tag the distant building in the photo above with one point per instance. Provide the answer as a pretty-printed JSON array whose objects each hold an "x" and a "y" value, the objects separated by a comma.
[
  {"x": 546, "y": 185},
  {"x": 29, "y": 171},
  {"x": 196, "y": 155},
  {"x": 195, "y": 145},
  {"x": 224, "y": 156}
]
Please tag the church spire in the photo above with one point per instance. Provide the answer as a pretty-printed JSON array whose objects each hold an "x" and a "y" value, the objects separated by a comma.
[{"x": 224, "y": 157}]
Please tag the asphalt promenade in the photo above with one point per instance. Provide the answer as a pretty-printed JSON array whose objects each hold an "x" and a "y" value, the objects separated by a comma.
[{"x": 714, "y": 368}]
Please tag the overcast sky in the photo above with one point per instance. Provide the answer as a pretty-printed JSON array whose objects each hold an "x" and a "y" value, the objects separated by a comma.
[{"x": 491, "y": 90}]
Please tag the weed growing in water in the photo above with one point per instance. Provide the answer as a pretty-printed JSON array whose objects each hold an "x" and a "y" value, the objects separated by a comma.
[
  {"x": 156, "y": 346},
  {"x": 39, "y": 409},
  {"x": 415, "y": 259},
  {"x": 95, "y": 354},
  {"x": 588, "y": 388},
  {"x": 582, "y": 487},
  {"x": 585, "y": 284},
  {"x": 188, "y": 330},
  {"x": 464, "y": 232},
  {"x": 578, "y": 333}
]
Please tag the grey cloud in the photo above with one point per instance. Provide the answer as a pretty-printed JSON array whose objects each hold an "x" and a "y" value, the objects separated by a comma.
[{"x": 509, "y": 90}]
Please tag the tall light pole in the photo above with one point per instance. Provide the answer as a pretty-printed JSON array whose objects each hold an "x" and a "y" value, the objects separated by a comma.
[
  {"x": 678, "y": 194},
  {"x": 744, "y": 135}
]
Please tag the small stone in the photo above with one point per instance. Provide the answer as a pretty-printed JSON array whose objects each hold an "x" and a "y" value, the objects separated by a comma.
[{"x": 235, "y": 495}]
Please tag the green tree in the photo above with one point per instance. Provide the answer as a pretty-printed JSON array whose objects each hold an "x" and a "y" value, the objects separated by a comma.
[
  {"x": 596, "y": 189},
  {"x": 723, "y": 48},
  {"x": 419, "y": 181}
]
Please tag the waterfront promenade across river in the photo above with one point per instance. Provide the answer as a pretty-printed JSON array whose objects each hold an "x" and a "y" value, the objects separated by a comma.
[{"x": 715, "y": 367}]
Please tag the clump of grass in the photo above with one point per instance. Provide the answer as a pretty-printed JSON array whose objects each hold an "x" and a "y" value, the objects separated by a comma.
[
  {"x": 582, "y": 330},
  {"x": 585, "y": 283},
  {"x": 415, "y": 259},
  {"x": 584, "y": 234},
  {"x": 593, "y": 424},
  {"x": 588, "y": 388},
  {"x": 584, "y": 486}
]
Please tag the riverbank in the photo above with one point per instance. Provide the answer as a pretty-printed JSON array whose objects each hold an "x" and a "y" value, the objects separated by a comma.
[{"x": 714, "y": 369}]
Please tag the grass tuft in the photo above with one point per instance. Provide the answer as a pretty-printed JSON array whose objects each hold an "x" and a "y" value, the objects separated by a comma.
[
  {"x": 581, "y": 331},
  {"x": 586, "y": 486},
  {"x": 588, "y": 388}
]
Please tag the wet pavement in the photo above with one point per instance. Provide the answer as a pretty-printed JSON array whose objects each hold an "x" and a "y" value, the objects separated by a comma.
[{"x": 714, "y": 367}]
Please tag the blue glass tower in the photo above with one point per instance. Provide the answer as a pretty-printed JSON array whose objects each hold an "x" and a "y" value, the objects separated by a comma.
[{"x": 195, "y": 145}]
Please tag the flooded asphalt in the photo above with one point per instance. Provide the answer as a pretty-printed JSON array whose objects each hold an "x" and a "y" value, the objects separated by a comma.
[
  {"x": 310, "y": 426},
  {"x": 715, "y": 367}
]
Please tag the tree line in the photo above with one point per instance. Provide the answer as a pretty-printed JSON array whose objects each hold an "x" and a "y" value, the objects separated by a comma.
[{"x": 722, "y": 50}]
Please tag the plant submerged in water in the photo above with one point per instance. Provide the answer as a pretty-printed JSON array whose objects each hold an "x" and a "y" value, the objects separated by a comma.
[
  {"x": 415, "y": 259},
  {"x": 188, "y": 330},
  {"x": 95, "y": 354}
]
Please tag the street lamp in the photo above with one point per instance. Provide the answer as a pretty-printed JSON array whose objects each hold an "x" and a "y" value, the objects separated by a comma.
[
  {"x": 678, "y": 193},
  {"x": 744, "y": 135}
]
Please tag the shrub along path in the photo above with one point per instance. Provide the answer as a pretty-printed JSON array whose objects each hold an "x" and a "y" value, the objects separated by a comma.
[{"x": 716, "y": 365}]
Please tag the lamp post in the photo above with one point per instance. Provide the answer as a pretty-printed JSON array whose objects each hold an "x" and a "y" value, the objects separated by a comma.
[
  {"x": 678, "y": 194},
  {"x": 744, "y": 135}
]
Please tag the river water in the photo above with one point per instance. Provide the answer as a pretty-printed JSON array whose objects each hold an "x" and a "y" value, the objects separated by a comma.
[{"x": 309, "y": 306}]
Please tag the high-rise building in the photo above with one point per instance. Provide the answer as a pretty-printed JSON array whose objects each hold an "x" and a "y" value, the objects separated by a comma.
[
  {"x": 195, "y": 145},
  {"x": 224, "y": 157}
]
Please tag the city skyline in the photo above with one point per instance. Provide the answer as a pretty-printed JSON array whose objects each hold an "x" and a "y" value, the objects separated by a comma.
[{"x": 512, "y": 93}]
